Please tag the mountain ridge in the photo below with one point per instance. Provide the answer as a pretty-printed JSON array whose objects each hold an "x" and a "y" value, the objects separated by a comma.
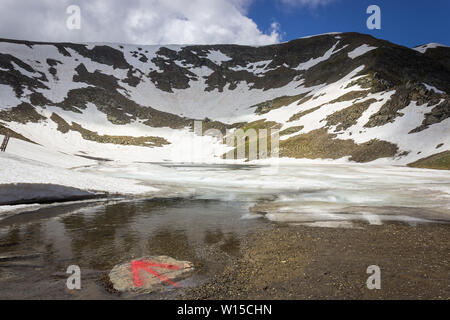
[{"x": 320, "y": 88}]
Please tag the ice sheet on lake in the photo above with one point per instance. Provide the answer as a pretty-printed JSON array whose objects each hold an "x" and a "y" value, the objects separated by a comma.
[{"x": 309, "y": 192}]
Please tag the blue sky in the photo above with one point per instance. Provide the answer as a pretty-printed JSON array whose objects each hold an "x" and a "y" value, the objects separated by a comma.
[
  {"x": 404, "y": 22},
  {"x": 250, "y": 22}
]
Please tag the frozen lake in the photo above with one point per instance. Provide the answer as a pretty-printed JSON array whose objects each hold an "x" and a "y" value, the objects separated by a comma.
[
  {"x": 322, "y": 194},
  {"x": 211, "y": 210}
]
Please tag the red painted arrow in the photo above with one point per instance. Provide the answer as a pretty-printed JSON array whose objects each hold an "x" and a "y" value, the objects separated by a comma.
[{"x": 137, "y": 265}]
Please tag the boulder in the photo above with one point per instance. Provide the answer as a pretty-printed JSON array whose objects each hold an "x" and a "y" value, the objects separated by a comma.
[{"x": 149, "y": 274}]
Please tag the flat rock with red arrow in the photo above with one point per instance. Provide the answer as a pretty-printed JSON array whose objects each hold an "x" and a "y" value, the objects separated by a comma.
[{"x": 149, "y": 274}]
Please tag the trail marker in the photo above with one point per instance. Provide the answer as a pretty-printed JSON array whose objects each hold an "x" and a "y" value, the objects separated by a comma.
[{"x": 147, "y": 266}]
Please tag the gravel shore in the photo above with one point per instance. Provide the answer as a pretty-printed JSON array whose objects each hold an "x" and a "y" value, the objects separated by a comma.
[{"x": 297, "y": 262}]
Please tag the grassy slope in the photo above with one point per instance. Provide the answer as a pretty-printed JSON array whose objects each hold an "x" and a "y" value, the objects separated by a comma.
[{"x": 440, "y": 161}]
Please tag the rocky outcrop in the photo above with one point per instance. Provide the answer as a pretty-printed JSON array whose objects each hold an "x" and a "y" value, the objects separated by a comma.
[
  {"x": 23, "y": 113},
  {"x": 149, "y": 274},
  {"x": 349, "y": 116},
  {"x": 438, "y": 114},
  {"x": 403, "y": 96},
  {"x": 64, "y": 127}
]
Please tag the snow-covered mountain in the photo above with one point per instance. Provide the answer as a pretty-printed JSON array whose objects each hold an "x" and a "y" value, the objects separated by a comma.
[{"x": 334, "y": 96}]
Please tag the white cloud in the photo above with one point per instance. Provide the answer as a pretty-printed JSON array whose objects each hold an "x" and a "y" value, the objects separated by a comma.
[{"x": 135, "y": 21}]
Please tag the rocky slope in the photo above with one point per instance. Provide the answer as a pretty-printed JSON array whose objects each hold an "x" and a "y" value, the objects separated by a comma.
[{"x": 333, "y": 96}]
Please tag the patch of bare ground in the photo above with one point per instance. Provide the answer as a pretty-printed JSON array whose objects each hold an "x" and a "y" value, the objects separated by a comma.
[
  {"x": 267, "y": 106},
  {"x": 23, "y": 113},
  {"x": 345, "y": 118},
  {"x": 64, "y": 127},
  {"x": 319, "y": 144},
  {"x": 297, "y": 262},
  {"x": 298, "y": 115},
  {"x": 440, "y": 161},
  {"x": 291, "y": 130},
  {"x": 349, "y": 96}
]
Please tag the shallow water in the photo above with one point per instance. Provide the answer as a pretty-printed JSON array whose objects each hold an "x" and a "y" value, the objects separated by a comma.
[
  {"x": 98, "y": 237},
  {"x": 217, "y": 206}
]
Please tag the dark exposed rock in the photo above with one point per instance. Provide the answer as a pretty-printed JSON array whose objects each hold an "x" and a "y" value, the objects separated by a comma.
[
  {"x": 438, "y": 114},
  {"x": 38, "y": 99},
  {"x": 403, "y": 96},
  {"x": 118, "y": 108},
  {"x": 64, "y": 127},
  {"x": 96, "y": 78},
  {"x": 53, "y": 72},
  {"x": 143, "y": 58},
  {"x": 131, "y": 79},
  {"x": 440, "y": 55},
  {"x": 345, "y": 118},
  {"x": 389, "y": 64},
  {"x": 16, "y": 79},
  {"x": 53, "y": 62},
  {"x": 23, "y": 113},
  {"x": 373, "y": 82},
  {"x": 103, "y": 54}
]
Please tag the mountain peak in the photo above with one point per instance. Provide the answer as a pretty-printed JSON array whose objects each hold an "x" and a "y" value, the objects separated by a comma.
[{"x": 333, "y": 96}]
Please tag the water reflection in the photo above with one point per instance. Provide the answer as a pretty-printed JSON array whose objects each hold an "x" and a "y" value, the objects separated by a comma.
[{"x": 97, "y": 238}]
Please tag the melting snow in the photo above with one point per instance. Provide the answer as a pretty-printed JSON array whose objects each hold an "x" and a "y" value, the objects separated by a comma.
[
  {"x": 217, "y": 57},
  {"x": 432, "y": 88},
  {"x": 313, "y": 61},
  {"x": 425, "y": 47},
  {"x": 8, "y": 97},
  {"x": 360, "y": 51}
]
